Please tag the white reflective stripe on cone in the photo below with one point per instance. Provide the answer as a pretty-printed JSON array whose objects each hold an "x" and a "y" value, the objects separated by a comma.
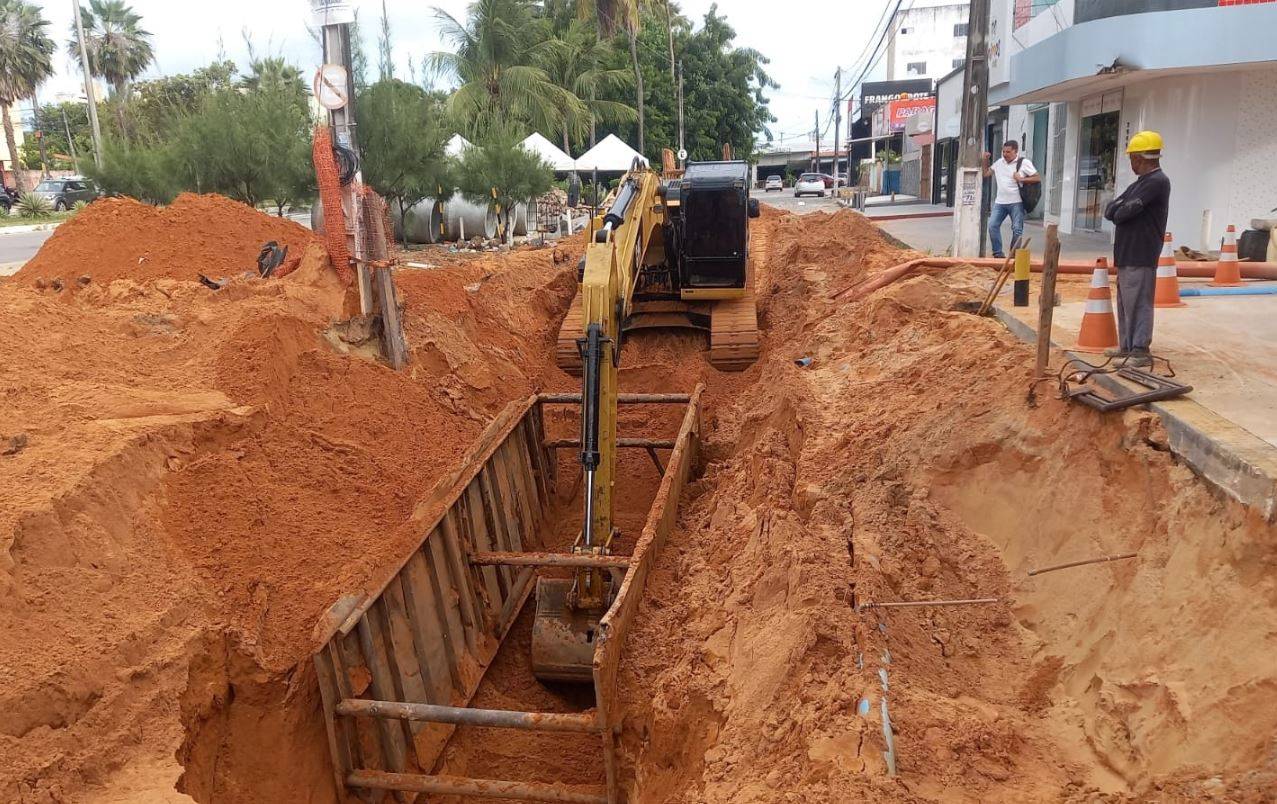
[
  {"x": 1166, "y": 272},
  {"x": 1100, "y": 278},
  {"x": 1098, "y": 306}
]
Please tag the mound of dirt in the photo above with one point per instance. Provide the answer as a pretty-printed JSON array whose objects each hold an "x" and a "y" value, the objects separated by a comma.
[
  {"x": 119, "y": 238},
  {"x": 205, "y": 472}
]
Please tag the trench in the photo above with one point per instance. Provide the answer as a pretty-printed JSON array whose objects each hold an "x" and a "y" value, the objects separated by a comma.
[{"x": 856, "y": 479}]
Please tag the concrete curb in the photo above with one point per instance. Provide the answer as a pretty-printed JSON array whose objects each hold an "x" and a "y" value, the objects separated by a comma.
[
  {"x": 1229, "y": 457},
  {"x": 30, "y": 227}
]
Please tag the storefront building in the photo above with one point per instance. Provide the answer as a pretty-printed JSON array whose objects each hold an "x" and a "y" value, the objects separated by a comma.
[{"x": 1077, "y": 78}]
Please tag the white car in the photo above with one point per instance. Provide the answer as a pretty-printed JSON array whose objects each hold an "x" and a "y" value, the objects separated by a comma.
[
  {"x": 809, "y": 184},
  {"x": 774, "y": 183}
]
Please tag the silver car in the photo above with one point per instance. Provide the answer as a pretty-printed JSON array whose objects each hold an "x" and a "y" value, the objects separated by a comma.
[
  {"x": 809, "y": 184},
  {"x": 774, "y": 183}
]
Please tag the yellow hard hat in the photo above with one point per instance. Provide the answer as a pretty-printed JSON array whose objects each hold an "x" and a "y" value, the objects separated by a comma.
[{"x": 1145, "y": 141}]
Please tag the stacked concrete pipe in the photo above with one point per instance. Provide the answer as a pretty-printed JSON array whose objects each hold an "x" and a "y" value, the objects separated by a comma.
[{"x": 458, "y": 213}]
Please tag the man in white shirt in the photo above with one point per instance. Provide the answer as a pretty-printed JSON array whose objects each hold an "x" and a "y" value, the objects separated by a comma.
[{"x": 1008, "y": 174}]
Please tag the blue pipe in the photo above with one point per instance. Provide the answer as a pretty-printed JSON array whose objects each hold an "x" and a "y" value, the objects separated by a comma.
[{"x": 1244, "y": 290}]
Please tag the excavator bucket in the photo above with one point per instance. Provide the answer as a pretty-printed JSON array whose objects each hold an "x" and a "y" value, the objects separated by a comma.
[{"x": 563, "y": 635}]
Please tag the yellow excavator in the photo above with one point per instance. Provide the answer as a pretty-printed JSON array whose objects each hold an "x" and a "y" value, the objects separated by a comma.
[{"x": 668, "y": 252}]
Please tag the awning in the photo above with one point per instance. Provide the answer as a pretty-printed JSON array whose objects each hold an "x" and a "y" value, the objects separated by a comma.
[
  {"x": 610, "y": 154},
  {"x": 548, "y": 151}
]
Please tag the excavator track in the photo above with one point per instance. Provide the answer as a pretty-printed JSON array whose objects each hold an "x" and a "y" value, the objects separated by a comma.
[
  {"x": 733, "y": 339},
  {"x": 733, "y": 336}
]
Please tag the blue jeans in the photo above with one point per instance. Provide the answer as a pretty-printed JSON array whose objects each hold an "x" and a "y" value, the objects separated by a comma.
[{"x": 997, "y": 216}]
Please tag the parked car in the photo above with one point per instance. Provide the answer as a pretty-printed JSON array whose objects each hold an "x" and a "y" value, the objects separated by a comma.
[
  {"x": 809, "y": 184},
  {"x": 66, "y": 193},
  {"x": 8, "y": 198},
  {"x": 774, "y": 183},
  {"x": 827, "y": 179}
]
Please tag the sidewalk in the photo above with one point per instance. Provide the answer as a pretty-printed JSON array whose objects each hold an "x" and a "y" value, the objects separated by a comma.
[
  {"x": 934, "y": 235},
  {"x": 1223, "y": 347}
]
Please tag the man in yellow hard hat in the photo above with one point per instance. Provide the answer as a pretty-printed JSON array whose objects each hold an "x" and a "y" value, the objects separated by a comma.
[{"x": 1139, "y": 215}]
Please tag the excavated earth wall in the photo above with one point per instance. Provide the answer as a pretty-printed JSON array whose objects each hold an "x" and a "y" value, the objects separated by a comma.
[{"x": 204, "y": 472}]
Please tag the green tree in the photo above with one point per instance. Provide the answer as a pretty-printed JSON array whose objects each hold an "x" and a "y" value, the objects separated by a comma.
[
  {"x": 499, "y": 48},
  {"x": 626, "y": 17},
  {"x": 725, "y": 88},
  {"x": 119, "y": 48},
  {"x": 579, "y": 62},
  {"x": 26, "y": 60},
  {"x": 499, "y": 170},
  {"x": 385, "y": 59},
  {"x": 249, "y": 145},
  {"x": 273, "y": 72},
  {"x": 138, "y": 171},
  {"x": 54, "y": 120},
  {"x": 155, "y": 108},
  {"x": 402, "y": 136}
]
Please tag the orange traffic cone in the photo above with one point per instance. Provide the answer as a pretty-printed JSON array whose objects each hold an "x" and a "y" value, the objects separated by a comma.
[
  {"x": 1099, "y": 327},
  {"x": 1228, "y": 274},
  {"x": 1166, "y": 294}
]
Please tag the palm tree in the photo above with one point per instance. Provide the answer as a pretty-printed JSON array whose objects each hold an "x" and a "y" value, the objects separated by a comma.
[
  {"x": 498, "y": 50},
  {"x": 624, "y": 15},
  {"x": 273, "y": 73},
  {"x": 577, "y": 61},
  {"x": 26, "y": 60},
  {"x": 119, "y": 49}
]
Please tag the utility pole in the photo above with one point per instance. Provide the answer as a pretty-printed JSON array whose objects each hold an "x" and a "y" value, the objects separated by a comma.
[
  {"x": 39, "y": 135},
  {"x": 816, "y": 134},
  {"x": 837, "y": 121},
  {"x": 681, "y": 146},
  {"x": 967, "y": 221},
  {"x": 335, "y": 18},
  {"x": 89, "y": 97},
  {"x": 75, "y": 160}
]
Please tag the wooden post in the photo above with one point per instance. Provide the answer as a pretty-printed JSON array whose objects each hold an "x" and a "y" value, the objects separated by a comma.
[
  {"x": 1046, "y": 301},
  {"x": 391, "y": 325}
]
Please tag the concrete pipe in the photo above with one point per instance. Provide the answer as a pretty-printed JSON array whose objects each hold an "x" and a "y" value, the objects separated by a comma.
[
  {"x": 423, "y": 222},
  {"x": 477, "y": 221},
  {"x": 521, "y": 219}
]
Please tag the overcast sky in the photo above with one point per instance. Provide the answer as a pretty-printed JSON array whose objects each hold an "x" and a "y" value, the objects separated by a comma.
[{"x": 806, "y": 40}]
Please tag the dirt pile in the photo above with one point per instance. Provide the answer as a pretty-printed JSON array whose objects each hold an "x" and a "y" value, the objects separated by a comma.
[
  {"x": 903, "y": 464},
  {"x": 204, "y": 474},
  {"x": 119, "y": 238}
]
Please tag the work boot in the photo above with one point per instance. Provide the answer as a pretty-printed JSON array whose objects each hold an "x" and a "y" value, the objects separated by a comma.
[
  {"x": 1117, "y": 353},
  {"x": 999, "y": 255},
  {"x": 1139, "y": 359}
]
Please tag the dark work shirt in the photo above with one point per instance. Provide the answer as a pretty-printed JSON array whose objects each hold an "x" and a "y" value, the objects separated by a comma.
[{"x": 1140, "y": 214}]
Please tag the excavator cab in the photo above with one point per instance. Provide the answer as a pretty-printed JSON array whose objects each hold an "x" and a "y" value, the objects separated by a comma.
[{"x": 707, "y": 229}]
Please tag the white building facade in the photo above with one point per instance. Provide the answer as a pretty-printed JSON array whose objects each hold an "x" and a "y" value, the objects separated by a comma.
[
  {"x": 1078, "y": 78},
  {"x": 927, "y": 40}
]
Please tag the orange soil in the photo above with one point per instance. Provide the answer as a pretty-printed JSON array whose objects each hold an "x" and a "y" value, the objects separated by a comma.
[
  {"x": 206, "y": 472},
  {"x": 119, "y": 238}
]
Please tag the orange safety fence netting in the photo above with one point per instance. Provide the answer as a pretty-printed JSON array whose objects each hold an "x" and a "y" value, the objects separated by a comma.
[{"x": 329, "y": 183}]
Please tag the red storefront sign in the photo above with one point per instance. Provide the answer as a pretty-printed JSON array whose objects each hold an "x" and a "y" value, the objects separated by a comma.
[{"x": 899, "y": 111}]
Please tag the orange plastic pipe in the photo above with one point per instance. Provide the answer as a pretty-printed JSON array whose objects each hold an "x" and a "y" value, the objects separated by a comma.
[{"x": 1250, "y": 270}]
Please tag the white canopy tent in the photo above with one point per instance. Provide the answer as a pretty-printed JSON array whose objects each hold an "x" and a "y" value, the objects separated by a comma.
[
  {"x": 547, "y": 150},
  {"x": 610, "y": 154},
  {"x": 456, "y": 146}
]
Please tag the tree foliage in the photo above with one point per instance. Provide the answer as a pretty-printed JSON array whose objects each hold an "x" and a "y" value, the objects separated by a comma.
[
  {"x": 497, "y": 65},
  {"x": 26, "y": 60},
  {"x": 724, "y": 88},
  {"x": 52, "y": 121},
  {"x": 499, "y": 170},
  {"x": 207, "y": 133},
  {"x": 402, "y": 135},
  {"x": 119, "y": 48}
]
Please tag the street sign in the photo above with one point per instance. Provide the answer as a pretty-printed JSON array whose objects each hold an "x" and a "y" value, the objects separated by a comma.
[
  {"x": 330, "y": 87},
  {"x": 682, "y": 154}
]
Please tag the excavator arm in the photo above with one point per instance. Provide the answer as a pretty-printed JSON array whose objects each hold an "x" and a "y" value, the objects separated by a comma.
[{"x": 569, "y": 610}]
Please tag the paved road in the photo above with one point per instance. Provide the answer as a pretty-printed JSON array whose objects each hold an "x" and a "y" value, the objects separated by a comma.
[
  {"x": 18, "y": 247},
  {"x": 785, "y": 200}
]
